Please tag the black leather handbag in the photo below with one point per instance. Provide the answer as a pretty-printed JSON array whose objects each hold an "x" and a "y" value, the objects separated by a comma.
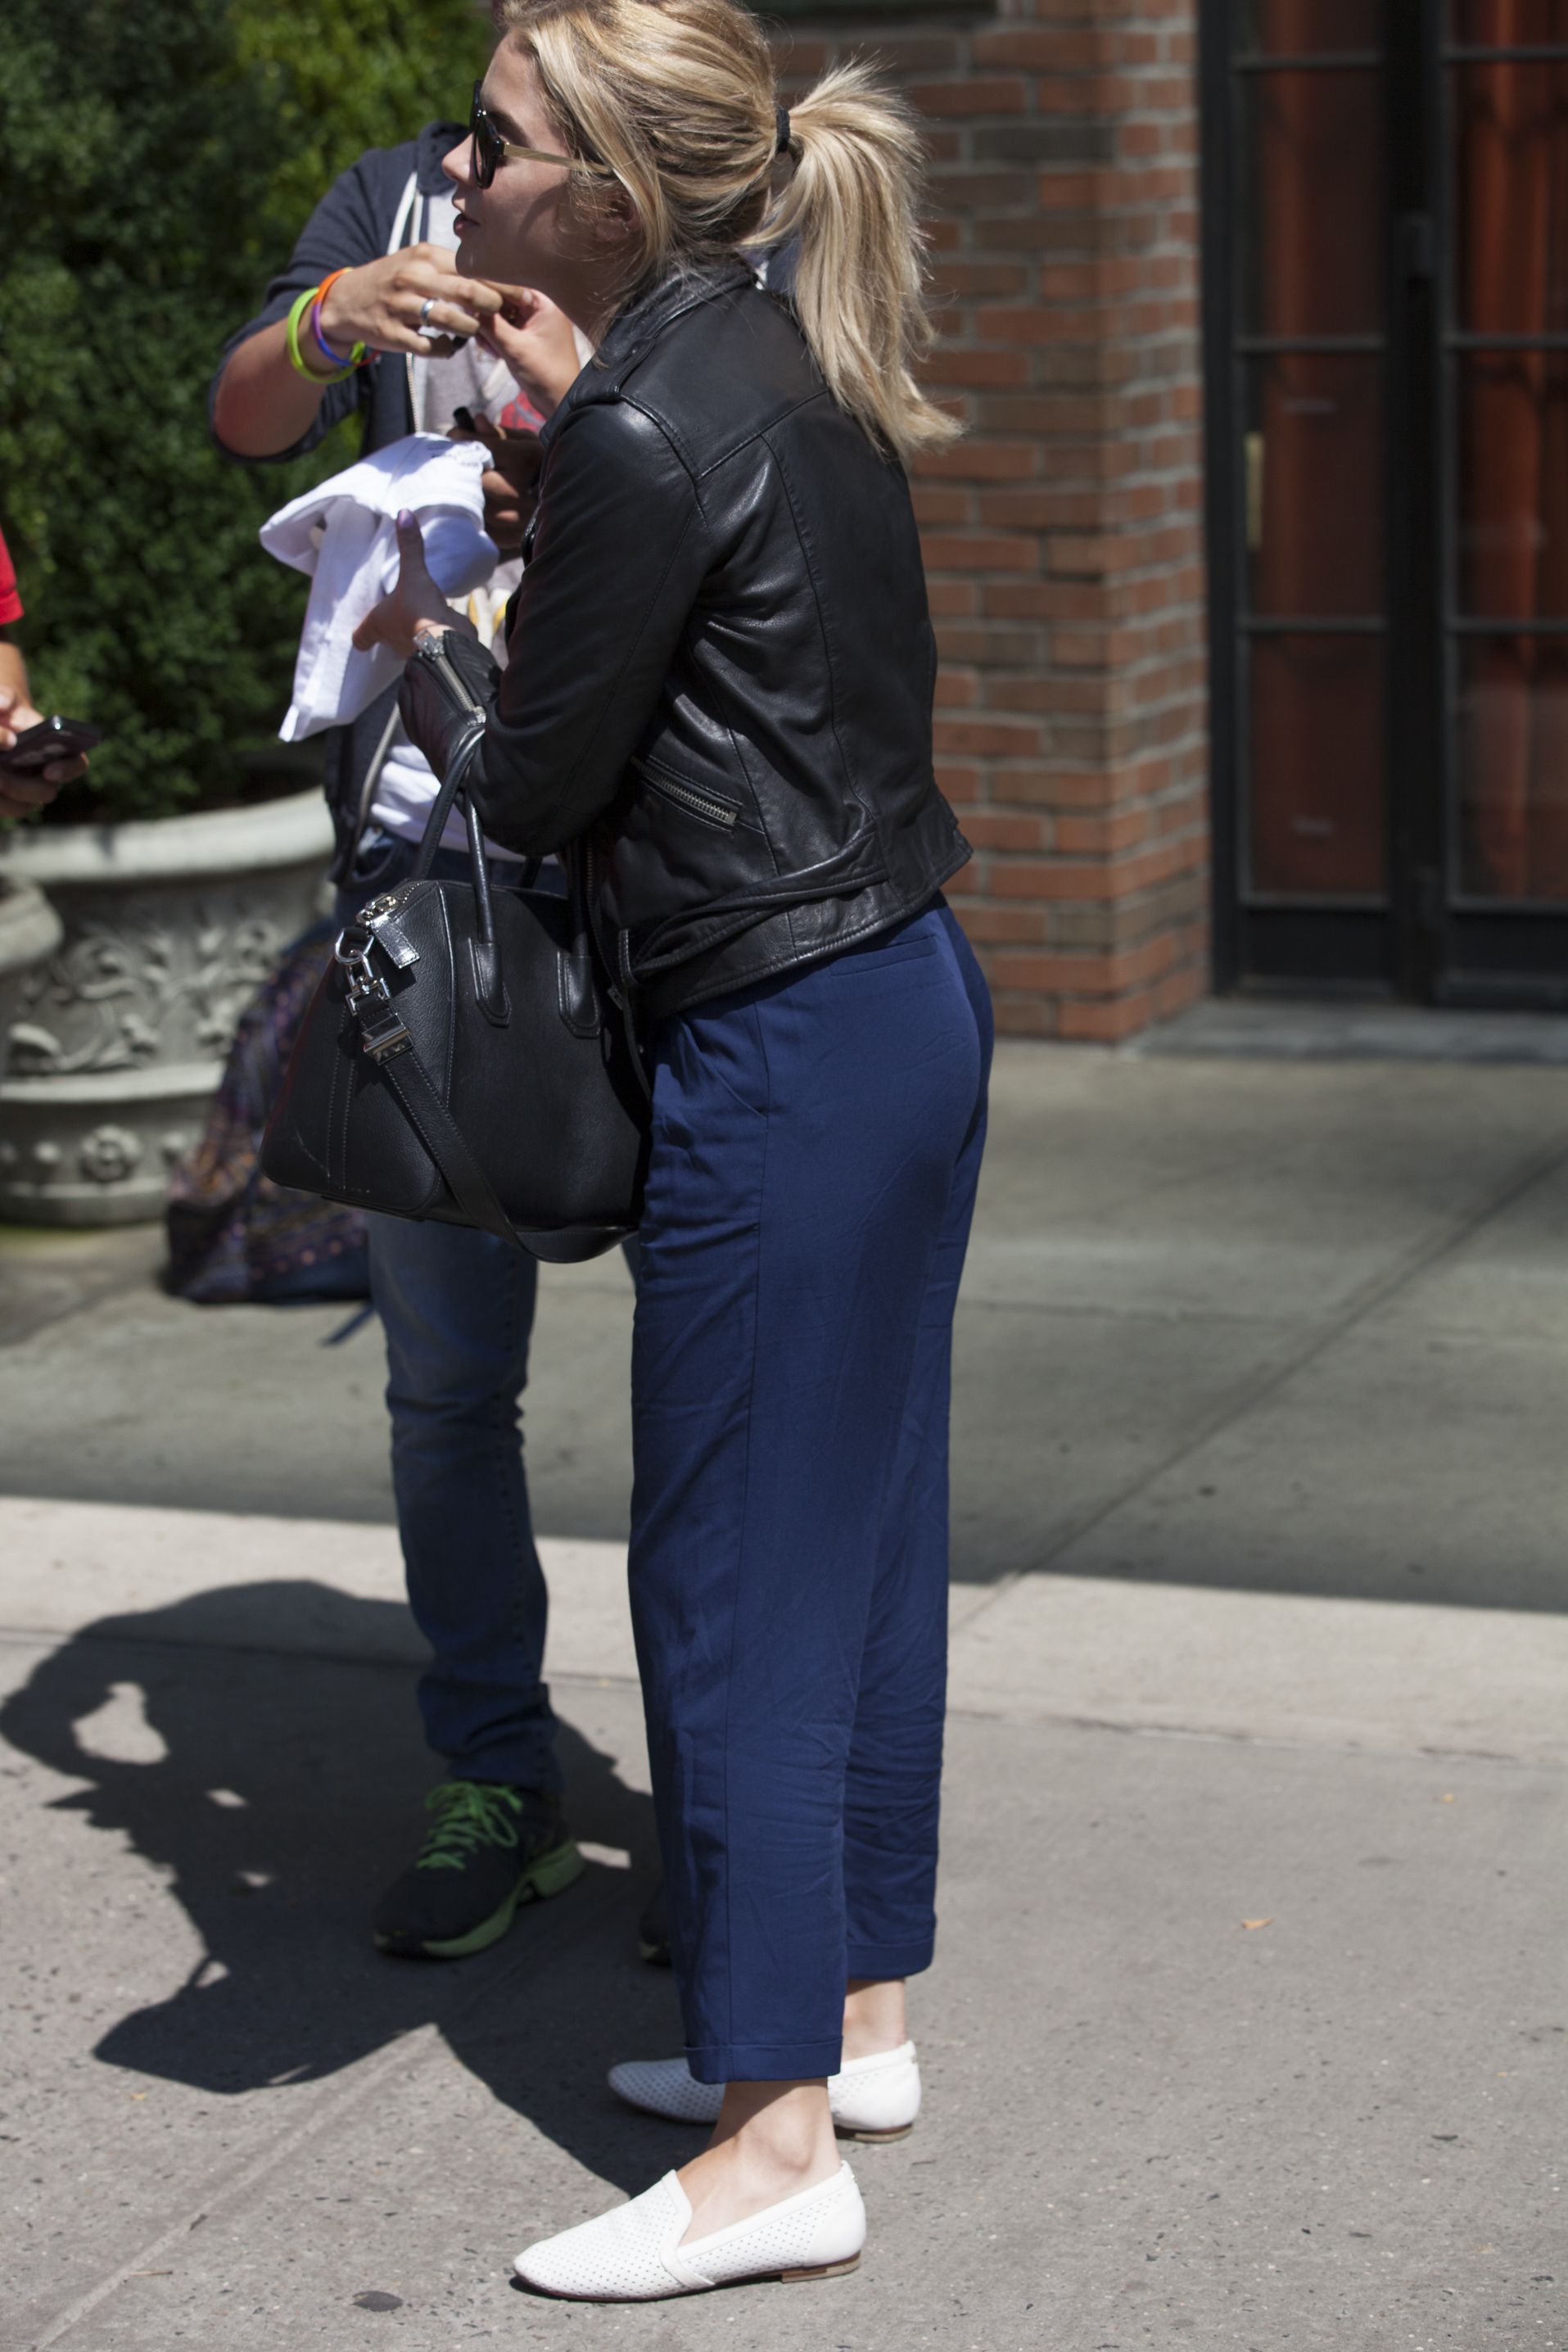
[{"x": 463, "y": 1060}]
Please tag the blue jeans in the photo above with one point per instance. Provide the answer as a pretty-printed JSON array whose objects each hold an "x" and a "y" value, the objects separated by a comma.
[
  {"x": 457, "y": 1307},
  {"x": 815, "y": 1150}
]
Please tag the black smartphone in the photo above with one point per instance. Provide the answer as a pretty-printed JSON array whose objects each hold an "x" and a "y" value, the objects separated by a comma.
[
  {"x": 464, "y": 420},
  {"x": 37, "y": 748}
]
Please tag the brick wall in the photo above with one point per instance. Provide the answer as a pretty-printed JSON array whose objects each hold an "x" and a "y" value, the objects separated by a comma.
[{"x": 1064, "y": 534}]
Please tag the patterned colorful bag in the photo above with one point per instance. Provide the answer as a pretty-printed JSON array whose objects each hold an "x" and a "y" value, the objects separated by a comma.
[{"x": 234, "y": 1236}]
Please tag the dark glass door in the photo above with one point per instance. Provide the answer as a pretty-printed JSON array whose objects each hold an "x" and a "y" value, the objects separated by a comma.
[
  {"x": 1505, "y": 389},
  {"x": 1386, "y": 323}
]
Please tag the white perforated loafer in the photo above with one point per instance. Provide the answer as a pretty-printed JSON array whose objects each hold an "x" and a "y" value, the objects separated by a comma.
[
  {"x": 633, "y": 2253},
  {"x": 874, "y": 2098}
]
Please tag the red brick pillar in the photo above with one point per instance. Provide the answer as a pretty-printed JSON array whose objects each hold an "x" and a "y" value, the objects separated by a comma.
[{"x": 1063, "y": 533}]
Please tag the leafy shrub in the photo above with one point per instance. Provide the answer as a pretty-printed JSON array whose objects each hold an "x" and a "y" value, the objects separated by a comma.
[{"x": 157, "y": 159}]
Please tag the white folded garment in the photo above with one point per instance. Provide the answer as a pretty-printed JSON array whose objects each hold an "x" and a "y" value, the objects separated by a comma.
[{"x": 345, "y": 535}]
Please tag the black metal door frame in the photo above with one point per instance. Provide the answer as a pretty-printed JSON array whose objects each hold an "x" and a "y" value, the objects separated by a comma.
[{"x": 1417, "y": 525}]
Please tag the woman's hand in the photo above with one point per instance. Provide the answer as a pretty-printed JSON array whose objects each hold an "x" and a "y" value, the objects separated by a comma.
[
  {"x": 415, "y": 606},
  {"x": 24, "y": 795},
  {"x": 379, "y": 303},
  {"x": 538, "y": 343},
  {"x": 510, "y": 481}
]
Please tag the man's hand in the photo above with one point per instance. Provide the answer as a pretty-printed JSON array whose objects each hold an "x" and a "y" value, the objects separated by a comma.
[
  {"x": 537, "y": 341},
  {"x": 510, "y": 481},
  {"x": 416, "y": 606},
  {"x": 24, "y": 795},
  {"x": 379, "y": 303}
]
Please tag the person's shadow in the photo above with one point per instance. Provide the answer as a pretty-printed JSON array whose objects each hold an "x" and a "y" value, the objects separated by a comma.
[{"x": 286, "y": 1795}]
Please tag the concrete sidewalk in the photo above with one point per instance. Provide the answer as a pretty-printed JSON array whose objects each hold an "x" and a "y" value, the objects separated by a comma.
[{"x": 1249, "y": 2024}]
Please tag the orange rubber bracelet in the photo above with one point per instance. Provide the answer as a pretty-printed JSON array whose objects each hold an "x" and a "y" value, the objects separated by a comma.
[{"x": 360, "y": 354}]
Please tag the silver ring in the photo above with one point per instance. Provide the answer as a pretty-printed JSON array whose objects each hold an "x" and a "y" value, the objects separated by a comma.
[{"x": 425, "y": 308}]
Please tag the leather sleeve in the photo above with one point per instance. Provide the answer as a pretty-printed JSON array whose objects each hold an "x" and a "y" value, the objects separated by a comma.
[
  {"x": 619, "y": 558},
  {"x": 447, "y": 692}
]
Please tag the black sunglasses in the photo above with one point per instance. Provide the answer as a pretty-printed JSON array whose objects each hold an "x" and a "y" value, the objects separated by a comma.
[{"x": 490, "y": 150}]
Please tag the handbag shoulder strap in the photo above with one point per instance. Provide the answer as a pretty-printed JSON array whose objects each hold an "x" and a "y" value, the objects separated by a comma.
[{"x": 393, "y": 1052}]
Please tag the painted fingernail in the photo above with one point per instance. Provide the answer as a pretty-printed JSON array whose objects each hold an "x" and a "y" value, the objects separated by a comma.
[{"x": 405, "y": 520}]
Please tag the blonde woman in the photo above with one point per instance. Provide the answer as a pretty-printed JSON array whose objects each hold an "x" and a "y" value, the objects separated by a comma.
[{"x": 719, "y": 676}]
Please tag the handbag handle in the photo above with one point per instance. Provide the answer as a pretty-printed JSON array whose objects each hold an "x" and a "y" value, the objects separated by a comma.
[
  {"x": 441, "y": 808},
  {"x": 579, "y": 1006},
  {"x": 488, "y": 980}
]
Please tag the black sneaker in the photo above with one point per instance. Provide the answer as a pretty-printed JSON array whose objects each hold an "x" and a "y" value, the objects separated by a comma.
[{"x": 492, "y": 1847}]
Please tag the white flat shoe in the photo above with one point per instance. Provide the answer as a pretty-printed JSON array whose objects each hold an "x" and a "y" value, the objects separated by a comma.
[
  {"x": 633, "y": 2253},
  {"x": 874, "y": 2098}
]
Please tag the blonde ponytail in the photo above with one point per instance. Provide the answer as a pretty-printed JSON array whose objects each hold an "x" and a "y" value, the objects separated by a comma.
[
  {"x": 859, "y": 263},
  {"x": 677, "y": 97}
]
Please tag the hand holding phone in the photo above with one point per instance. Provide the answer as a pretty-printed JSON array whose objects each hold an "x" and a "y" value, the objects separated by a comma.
[
  {"x": 49, "y": 756},
  {"x": 50, "y": 743}
]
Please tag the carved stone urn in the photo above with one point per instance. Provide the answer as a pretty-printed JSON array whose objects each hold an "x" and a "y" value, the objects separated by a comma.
[
  {"x": 115, "y": 1040},
  {"x": 29, "y": 931}
]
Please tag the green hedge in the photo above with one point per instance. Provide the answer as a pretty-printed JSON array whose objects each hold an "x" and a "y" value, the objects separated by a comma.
[{"x": 157, "y": 157}]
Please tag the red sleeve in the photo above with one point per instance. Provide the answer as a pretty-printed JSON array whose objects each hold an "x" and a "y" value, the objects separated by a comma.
[{"x": 10, "y": 602}]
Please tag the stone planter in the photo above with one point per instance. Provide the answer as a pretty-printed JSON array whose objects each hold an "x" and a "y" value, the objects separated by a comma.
[
  {"x": 29, "y": 931},
  {"x": 116, "y": 1039}
]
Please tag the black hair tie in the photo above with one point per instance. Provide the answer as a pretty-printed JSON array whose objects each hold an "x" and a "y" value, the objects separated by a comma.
[{"x": 782, "y": 116}]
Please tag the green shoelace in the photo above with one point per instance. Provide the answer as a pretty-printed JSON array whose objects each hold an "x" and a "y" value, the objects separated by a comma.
[{"x": 467, "y": 1813}]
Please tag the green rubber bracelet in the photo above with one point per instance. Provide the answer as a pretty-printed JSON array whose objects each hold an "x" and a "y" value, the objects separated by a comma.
[{"x": 302, "y": 303}]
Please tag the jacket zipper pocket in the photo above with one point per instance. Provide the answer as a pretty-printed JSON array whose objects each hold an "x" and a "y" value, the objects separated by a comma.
[
  {"x": 465, "y": 749},
  {"x": 440, "y": 662},
  {"x": 688, "y": 796}
]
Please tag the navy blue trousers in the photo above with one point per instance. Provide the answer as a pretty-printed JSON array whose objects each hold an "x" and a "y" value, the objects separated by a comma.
[{"x": 815, "y": 1150}]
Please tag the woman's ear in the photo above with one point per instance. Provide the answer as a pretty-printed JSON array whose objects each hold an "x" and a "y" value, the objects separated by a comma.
[{"x": 619, "y": 216}]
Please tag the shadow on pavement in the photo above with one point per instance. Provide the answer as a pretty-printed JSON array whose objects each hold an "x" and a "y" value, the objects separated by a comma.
[{"x": 286, "y": 1794}]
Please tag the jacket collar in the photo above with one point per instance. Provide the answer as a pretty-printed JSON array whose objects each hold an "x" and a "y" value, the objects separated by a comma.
[{"x": 639, "y": 325}]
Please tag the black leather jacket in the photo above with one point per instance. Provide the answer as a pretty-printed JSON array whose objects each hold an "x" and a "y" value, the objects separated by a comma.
[{"x": 720, "y": 661}]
